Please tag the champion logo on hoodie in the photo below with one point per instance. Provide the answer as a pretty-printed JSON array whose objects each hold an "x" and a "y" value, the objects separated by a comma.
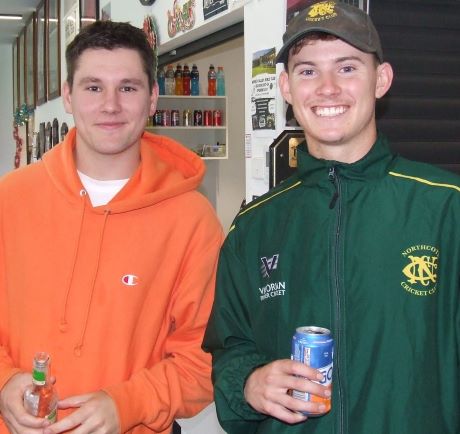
[{"x": 130, "y": 280}]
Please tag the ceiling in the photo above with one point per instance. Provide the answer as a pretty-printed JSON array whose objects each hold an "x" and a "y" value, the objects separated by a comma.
[{"x": 9, "y": 30}]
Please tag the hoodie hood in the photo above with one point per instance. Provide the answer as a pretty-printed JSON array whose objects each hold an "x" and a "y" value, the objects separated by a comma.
[{"x": 167, "y": 169}]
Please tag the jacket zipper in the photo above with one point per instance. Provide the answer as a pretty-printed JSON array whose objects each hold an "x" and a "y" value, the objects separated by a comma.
[{"x": 334, "y": 178}]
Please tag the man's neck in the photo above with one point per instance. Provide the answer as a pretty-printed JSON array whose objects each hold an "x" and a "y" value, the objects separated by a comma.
[
  {"x": 107, "y": 167},
  {"x": 342, "y": 152}
]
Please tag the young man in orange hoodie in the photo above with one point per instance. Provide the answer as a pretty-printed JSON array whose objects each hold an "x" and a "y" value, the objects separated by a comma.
[{"x": 107, "y": 256}]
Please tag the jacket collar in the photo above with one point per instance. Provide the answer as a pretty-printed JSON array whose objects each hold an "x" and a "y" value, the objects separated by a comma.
[{"x": 374, "y": 165}]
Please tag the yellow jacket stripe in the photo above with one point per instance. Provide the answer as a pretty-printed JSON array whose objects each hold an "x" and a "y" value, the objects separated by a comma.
[{"x": 425, "y": 181}]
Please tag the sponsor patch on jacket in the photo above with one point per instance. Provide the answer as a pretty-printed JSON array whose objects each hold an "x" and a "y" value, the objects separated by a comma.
[
  {"x": 420, "y": 272},
  {"x": 268, "y": 265},
  {"x": 272, "y": 290}
]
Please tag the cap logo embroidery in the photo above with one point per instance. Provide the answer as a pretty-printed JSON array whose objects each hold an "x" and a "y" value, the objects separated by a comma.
[
  {"x": 321, "y": 11},
  {"x": 421, "y": 270}
]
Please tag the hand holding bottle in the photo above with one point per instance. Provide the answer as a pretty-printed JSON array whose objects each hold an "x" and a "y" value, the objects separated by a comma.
[
  {"x": 95, "y": 412},
  {"x": 12, "y": 408}
]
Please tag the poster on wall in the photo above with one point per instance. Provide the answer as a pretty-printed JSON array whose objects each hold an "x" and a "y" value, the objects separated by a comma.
[
  {"x": 263, "y": 89},
  {"x": 213, "y": 7},
  {"x": 182, "y": 17}
]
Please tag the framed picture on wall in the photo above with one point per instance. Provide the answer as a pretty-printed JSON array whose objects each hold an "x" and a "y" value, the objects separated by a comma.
[
  {"x": 41, "y": 76},
  {"x": 53, "y": 47},
  {"x": 30, "y": 62},
  {"x": 71, "y": 21},
  {"x": 21, "y": 62},
  {"x": 283, "y": 156},
  {"x": 89, "y": 12}
]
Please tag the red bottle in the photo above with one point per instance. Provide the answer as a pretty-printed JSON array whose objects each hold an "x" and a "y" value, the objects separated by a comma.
[
  {"x": 179, "y": 80},
  {"x": 186, "y": 80},
  {"x": 212, "y": 77}
]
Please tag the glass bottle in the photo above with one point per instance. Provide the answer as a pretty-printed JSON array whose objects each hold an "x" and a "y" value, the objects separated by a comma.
[
  {"x": 194, "y": 81},
  {"x": 179, "y": 88},
  {"x": 220, "y": 81},
  {"x": 40, "y": 398},
  {"x": 211, "y": 80},
  {"x": 161, "y": 79},
  {"x": 186, "y": 80},
  {"x": 169, "y": 80}
]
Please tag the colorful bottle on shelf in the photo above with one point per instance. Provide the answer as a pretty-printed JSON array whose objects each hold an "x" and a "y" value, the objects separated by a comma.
[
  {"x": 194, "y": 81},
  {"x": 212, "y": 80},
  {"x": 220, "y": 81},
  {"x": 186, "y": 78},
  {"x": 170, "y": 81},
  {"x": 40, "y": 399},
  {"x": 161, "y": 81},
  {"x": 179, "y": 84}
]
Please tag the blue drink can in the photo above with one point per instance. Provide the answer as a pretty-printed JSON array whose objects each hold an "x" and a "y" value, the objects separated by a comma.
[{"x": 314, "y": 346}]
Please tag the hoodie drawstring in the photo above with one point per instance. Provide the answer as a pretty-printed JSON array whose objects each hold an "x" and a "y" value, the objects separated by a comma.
[
  {"x": 63, "y": 322},
  {"x": 78, "y": 347}
]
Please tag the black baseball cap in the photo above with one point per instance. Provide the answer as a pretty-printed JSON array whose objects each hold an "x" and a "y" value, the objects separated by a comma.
[{"x": 345, "y": 21}]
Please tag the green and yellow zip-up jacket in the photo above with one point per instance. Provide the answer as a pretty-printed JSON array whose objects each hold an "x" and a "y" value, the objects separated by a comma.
[{"x": 370, "y": 250}]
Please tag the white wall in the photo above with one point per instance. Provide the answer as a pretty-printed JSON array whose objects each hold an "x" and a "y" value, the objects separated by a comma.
[
  {"x": 257, "y": 38},
  {"x": 7, "y": 142}
]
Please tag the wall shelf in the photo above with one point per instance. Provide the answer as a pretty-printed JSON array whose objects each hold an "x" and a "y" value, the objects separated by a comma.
[{"x": 196, "y": 138}]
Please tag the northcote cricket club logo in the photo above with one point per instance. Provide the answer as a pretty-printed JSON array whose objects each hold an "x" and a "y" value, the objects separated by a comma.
[
  {"x": 421, "y": 270},
  {"x": 322, "y": 11},
  {"x": 268, "y": 265}
]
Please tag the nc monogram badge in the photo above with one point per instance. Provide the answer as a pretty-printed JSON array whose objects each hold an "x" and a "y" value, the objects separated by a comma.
[{"x": 421, "y": 270}]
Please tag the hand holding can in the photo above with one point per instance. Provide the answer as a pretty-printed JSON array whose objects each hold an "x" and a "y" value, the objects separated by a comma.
[{"x": 314, "y": 346}]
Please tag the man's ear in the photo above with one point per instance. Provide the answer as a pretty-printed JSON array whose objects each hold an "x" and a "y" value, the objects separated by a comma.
[
  {"x": 384, "y": 79},
  {"x": 67, "y": 97},
  {"x": 153, "y": 99},
  {"x": 283, "y": 81}
]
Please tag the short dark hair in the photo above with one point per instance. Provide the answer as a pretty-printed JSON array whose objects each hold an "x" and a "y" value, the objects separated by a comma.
[{"x": 109, "y": 35}]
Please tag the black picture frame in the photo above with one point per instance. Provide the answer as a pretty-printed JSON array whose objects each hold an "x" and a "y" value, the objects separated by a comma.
[
  {"x": 30, "y": 62},
  {"x": 282, "y": 160},
  {"x": 21, "y": 69},
  {"x": 89, "y": 12},
  {"x": 41, "y": 74},
  {"x": 53, "y": 49},
  {"x": 15, "y": 74}
]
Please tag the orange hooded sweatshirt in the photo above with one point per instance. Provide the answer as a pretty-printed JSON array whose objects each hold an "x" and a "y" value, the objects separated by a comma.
[{"x": 119, "y": 294}]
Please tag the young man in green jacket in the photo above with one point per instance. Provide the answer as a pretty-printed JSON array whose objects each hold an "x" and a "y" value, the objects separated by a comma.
[{"x": 359, "y": 241}]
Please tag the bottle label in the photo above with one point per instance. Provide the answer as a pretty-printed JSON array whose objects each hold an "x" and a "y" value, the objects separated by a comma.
[
  {"x": 39, "y": 378},
  {"x": 52, "y": 417}
]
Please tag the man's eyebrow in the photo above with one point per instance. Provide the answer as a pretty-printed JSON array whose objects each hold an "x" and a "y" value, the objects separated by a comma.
[
  {"x": 348, "y": 58},
  {"x": 303, "y": 62},
  {"x": 91, "y": 79},
  {"x": 136, "y": 81}
]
